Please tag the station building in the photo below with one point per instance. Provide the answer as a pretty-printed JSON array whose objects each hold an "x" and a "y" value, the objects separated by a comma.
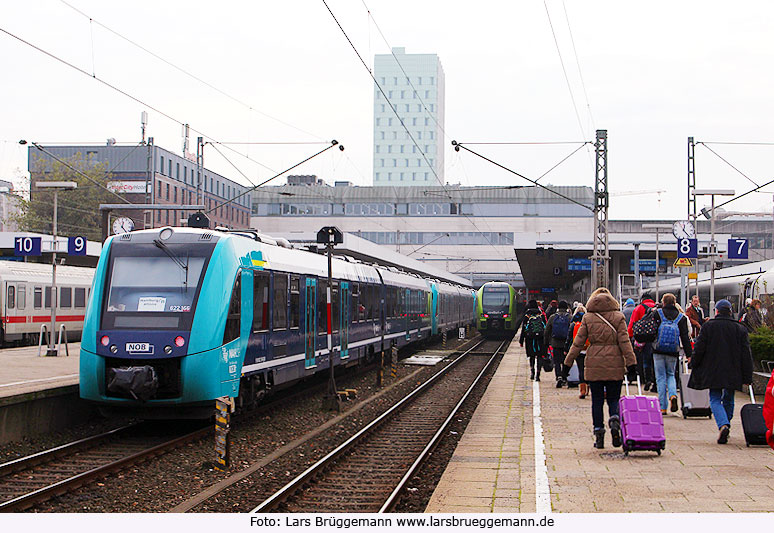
[
  {"x": 468, "y": 231},
  {"x": 145, "y": 173},
  {"x": 415, "y": 86}
]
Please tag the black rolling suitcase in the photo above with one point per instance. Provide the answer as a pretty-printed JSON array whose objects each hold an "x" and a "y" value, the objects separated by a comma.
[
  {"x": 695, "y": 402},
  {"x": 753, "y": 424}
]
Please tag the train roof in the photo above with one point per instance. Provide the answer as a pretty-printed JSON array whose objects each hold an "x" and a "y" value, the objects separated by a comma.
[{"x": 41, "y": 273}]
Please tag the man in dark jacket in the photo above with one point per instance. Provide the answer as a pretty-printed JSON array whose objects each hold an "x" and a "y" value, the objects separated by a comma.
[
  {"x": 722, "y": 363},
  {"x": 673, "y": 331},
  {"x": 551, "y": 309},
  {"x": 695, "y": 314},
  {"x": 533, "y": 328},
  {"x": 557, "y": 330}
]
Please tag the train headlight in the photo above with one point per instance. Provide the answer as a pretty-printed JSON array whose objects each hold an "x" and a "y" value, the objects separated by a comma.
[
  {"x": 105, "y": 340},
  {"x": 113, "y": 348},
  {"x": 167, "y": 349},
  {"x": 486, "y": 316},
  {"x": 179, "y": 341},
  {"x": 505, "y": 315},
  {"x": 166, "y": 233}
]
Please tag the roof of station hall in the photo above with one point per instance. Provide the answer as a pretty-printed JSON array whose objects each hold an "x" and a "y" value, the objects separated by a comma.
[{"x": 450, "y": 193}]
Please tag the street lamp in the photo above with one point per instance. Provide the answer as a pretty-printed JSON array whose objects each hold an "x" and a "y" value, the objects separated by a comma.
[
  {"x": 713, "y": 245},
  {"x": 55, "y": 186},
  {"x": 658, "y": 228}
]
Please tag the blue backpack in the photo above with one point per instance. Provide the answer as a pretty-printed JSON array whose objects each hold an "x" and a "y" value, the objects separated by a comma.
[
  {"x": 561, "y": 326},
  {"x": 668, "y": 336}
]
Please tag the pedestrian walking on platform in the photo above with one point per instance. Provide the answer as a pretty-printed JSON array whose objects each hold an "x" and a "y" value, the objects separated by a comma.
[
  {"x": 608, "y": 357},
  {"x": 752, "y": 318},
  {"x": 551, "y": 309},
  {"x": 628, "y": 309},
  {"x": 533, "y": 328},
  {"x": 722, "y": 363},
  {"x": 577, "y": 318},
  {"x": 644, "y": 352},
  {"x": 673, "y": 331},
  {"x": 695, "y": 314},
  {"x": 557, "y": 330}
]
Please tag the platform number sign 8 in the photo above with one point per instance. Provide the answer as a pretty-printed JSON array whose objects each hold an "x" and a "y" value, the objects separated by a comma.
[
  {"x": 76, "y": 245},
  {"x": 688, "y": 248},
  {"x": 23, "y": 246},
  {"x": 737, "y": 248}
]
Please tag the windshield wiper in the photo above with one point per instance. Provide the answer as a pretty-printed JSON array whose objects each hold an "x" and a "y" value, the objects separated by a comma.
[{"x": 164, "y": 248}]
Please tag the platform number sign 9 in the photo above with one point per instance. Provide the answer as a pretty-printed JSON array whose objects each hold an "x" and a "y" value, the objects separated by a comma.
[
  {"x": 23, "y": 246},
  {"x": 76, "y": 245},
  {"x": 737, "y": 248},
  {"x": 688, "y": 248}
]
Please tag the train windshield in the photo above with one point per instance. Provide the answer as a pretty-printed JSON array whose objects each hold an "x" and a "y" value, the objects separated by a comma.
[
  {"x": 154, "y": 286},
  {"x": 496, "y": 299}
]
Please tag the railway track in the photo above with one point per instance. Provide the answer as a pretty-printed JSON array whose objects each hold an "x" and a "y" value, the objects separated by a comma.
[
  {"x": 36, "y": 478},
  {"x": 369, "y": 471}
]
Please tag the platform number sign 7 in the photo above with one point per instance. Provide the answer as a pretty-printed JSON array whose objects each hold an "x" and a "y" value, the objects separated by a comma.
[
  {"x": 738, "y": 248},
  {"x": 688, "y": 248},
  {"x": 76, "y": 245},
  {"x": 23, "y": 246}
]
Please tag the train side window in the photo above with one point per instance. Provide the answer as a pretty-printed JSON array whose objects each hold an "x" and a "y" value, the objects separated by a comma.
[
  {"x": 280, "y": 309},
  {"x": 10, "y": 300},
  {"x": 295, "y": 302},
  {"x": 80, "y": 297},
  {"x": 234, "y": 311},
  {"x": 355, "y": 302},
  {"x": 260, "y": 301},
  {"x": 21, "y": 297},
  {"x": 322, "y": 306},
  {"x": 37, "y": 297},
  {"x": 66, "y": 297},
  {"x": 47, "y": 298}
]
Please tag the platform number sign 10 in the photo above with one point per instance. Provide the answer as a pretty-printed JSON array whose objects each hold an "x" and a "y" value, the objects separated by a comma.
[
  {"x": 688, "y": 248},
  {"x": 76, "y": 245},
  {"x": 737, "y": 248},
  {"x": 24, "y": 246}
]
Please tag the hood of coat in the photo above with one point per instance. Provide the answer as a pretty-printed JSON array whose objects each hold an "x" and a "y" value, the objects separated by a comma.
[{"x": 599, "y": 303}]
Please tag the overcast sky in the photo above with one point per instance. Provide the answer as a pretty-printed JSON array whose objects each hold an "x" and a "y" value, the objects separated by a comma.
[{"x": 655, "y": 73}]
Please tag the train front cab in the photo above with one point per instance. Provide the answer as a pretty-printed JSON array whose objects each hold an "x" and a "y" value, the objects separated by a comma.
[{"x": 495, "y": 310}]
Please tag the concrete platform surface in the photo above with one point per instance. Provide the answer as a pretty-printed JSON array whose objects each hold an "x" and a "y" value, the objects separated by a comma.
[
  {"x": 22, "y": 371},
  {"x": 501, "y": 466}
]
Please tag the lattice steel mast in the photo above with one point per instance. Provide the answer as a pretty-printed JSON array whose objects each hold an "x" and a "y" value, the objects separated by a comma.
[{"x": 600, "y": 260}]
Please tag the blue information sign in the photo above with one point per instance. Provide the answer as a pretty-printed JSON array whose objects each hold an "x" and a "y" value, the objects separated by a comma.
[
  {"x": 576, "y": 264},
  {"x": 648, "y": 265},
  {"x": 26, "y": 246},
  {"x": 737, "y": 248},
  {"x": 688, "y": 248},
  {"x": 76, "y": 245}
]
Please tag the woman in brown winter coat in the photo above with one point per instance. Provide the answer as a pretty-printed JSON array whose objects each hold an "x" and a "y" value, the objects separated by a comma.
[{"x": 608, "y": 357}]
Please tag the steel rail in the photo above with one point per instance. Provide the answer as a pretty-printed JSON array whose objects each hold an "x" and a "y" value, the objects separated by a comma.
[
  {"x": 44, "y": 456},
  {"x": 392, "y": 499},
  {"x": 285, "y": 492},
  {"x": 66, "y": 485}
]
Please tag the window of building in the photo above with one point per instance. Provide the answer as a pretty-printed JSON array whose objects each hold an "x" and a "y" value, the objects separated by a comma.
[
  {"x": 160, "y": 189},
  {"x": 174, "y": 194},
  {"x": 279, "y": 315},
  {"x": 402, "y": 148},
  {"x": 162, "y": 164},
  {"x": 419, "y": 80},
  {"x": 80, "y": 297},
  {"x": 167, "y": 191},
  {"x": 66, "y": 297},
  {"x": 383, "y": 80},
  {"x": 394, "y": 80},
  {"x": 414, "y": 121},
  {"x": 432, "y": 108},
  {"x": 427, "y": 121},
  {"x": 427, "y": 94},
  {"x": 394, "y": 135},
  {"x": 389, "y": 95},
  {"x": 377, "y": 149},
  {"x": 432, "y": 80},
  {"x": 407, "y": 108},
  {"x": 177, "y": 175},
  {"x": 402, "y": 178},
  {"x": 170, "y": 168},
  {"x": 381, "y": 135},
  {"x": 384, "y": 108},
  {"x": 394, "y": 162},
  {"x": 419, "y": 108},
  {"x": 381, "y": 162},
  {"x": 407, "y": 162},
  {"x": 167, "y": 217},
  {"x": 389, "y": 148},
  {"x": 185, "y": 174},
  {"x": 378, "y": 122},
  {"x": 389, "y": 121},
  {"x": 419, "y": 135},
  {"x": 403, "y": 94}
]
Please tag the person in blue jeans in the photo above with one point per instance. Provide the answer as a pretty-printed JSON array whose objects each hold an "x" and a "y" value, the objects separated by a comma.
[
  {"x": 722, "y": 363},
  {"x": 673, "y": 330}
]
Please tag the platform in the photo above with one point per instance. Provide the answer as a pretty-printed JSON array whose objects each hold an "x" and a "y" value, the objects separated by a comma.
[
  {"x": 501, "y": 466},
  {"x": 22, "y": 371}
]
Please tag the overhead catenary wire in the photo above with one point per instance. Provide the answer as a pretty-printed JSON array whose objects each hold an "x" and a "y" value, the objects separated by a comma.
[
  {"x": 577, "y": 62},
  {"x": 748, "y": 178},
  {"x": 183, "y": 71}
]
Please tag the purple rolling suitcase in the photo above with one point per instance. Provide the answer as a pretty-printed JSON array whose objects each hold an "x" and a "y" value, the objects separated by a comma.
[{"x": 642, "y": 426}]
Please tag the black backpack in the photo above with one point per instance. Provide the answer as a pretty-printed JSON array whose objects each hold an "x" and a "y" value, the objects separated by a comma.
[{"x": 561, "y": 326}]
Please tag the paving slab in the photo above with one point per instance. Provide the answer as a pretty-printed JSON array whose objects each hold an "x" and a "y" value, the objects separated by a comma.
[
  {"x": 694, "y": 474},
  {"x": 22, "y": 371}
]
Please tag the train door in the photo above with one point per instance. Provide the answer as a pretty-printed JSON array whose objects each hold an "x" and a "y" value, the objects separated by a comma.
[
  {"x": 434, "y": 309},
  {"x": 310, "y": 323},
  {"x": 344, "y": 319}
]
